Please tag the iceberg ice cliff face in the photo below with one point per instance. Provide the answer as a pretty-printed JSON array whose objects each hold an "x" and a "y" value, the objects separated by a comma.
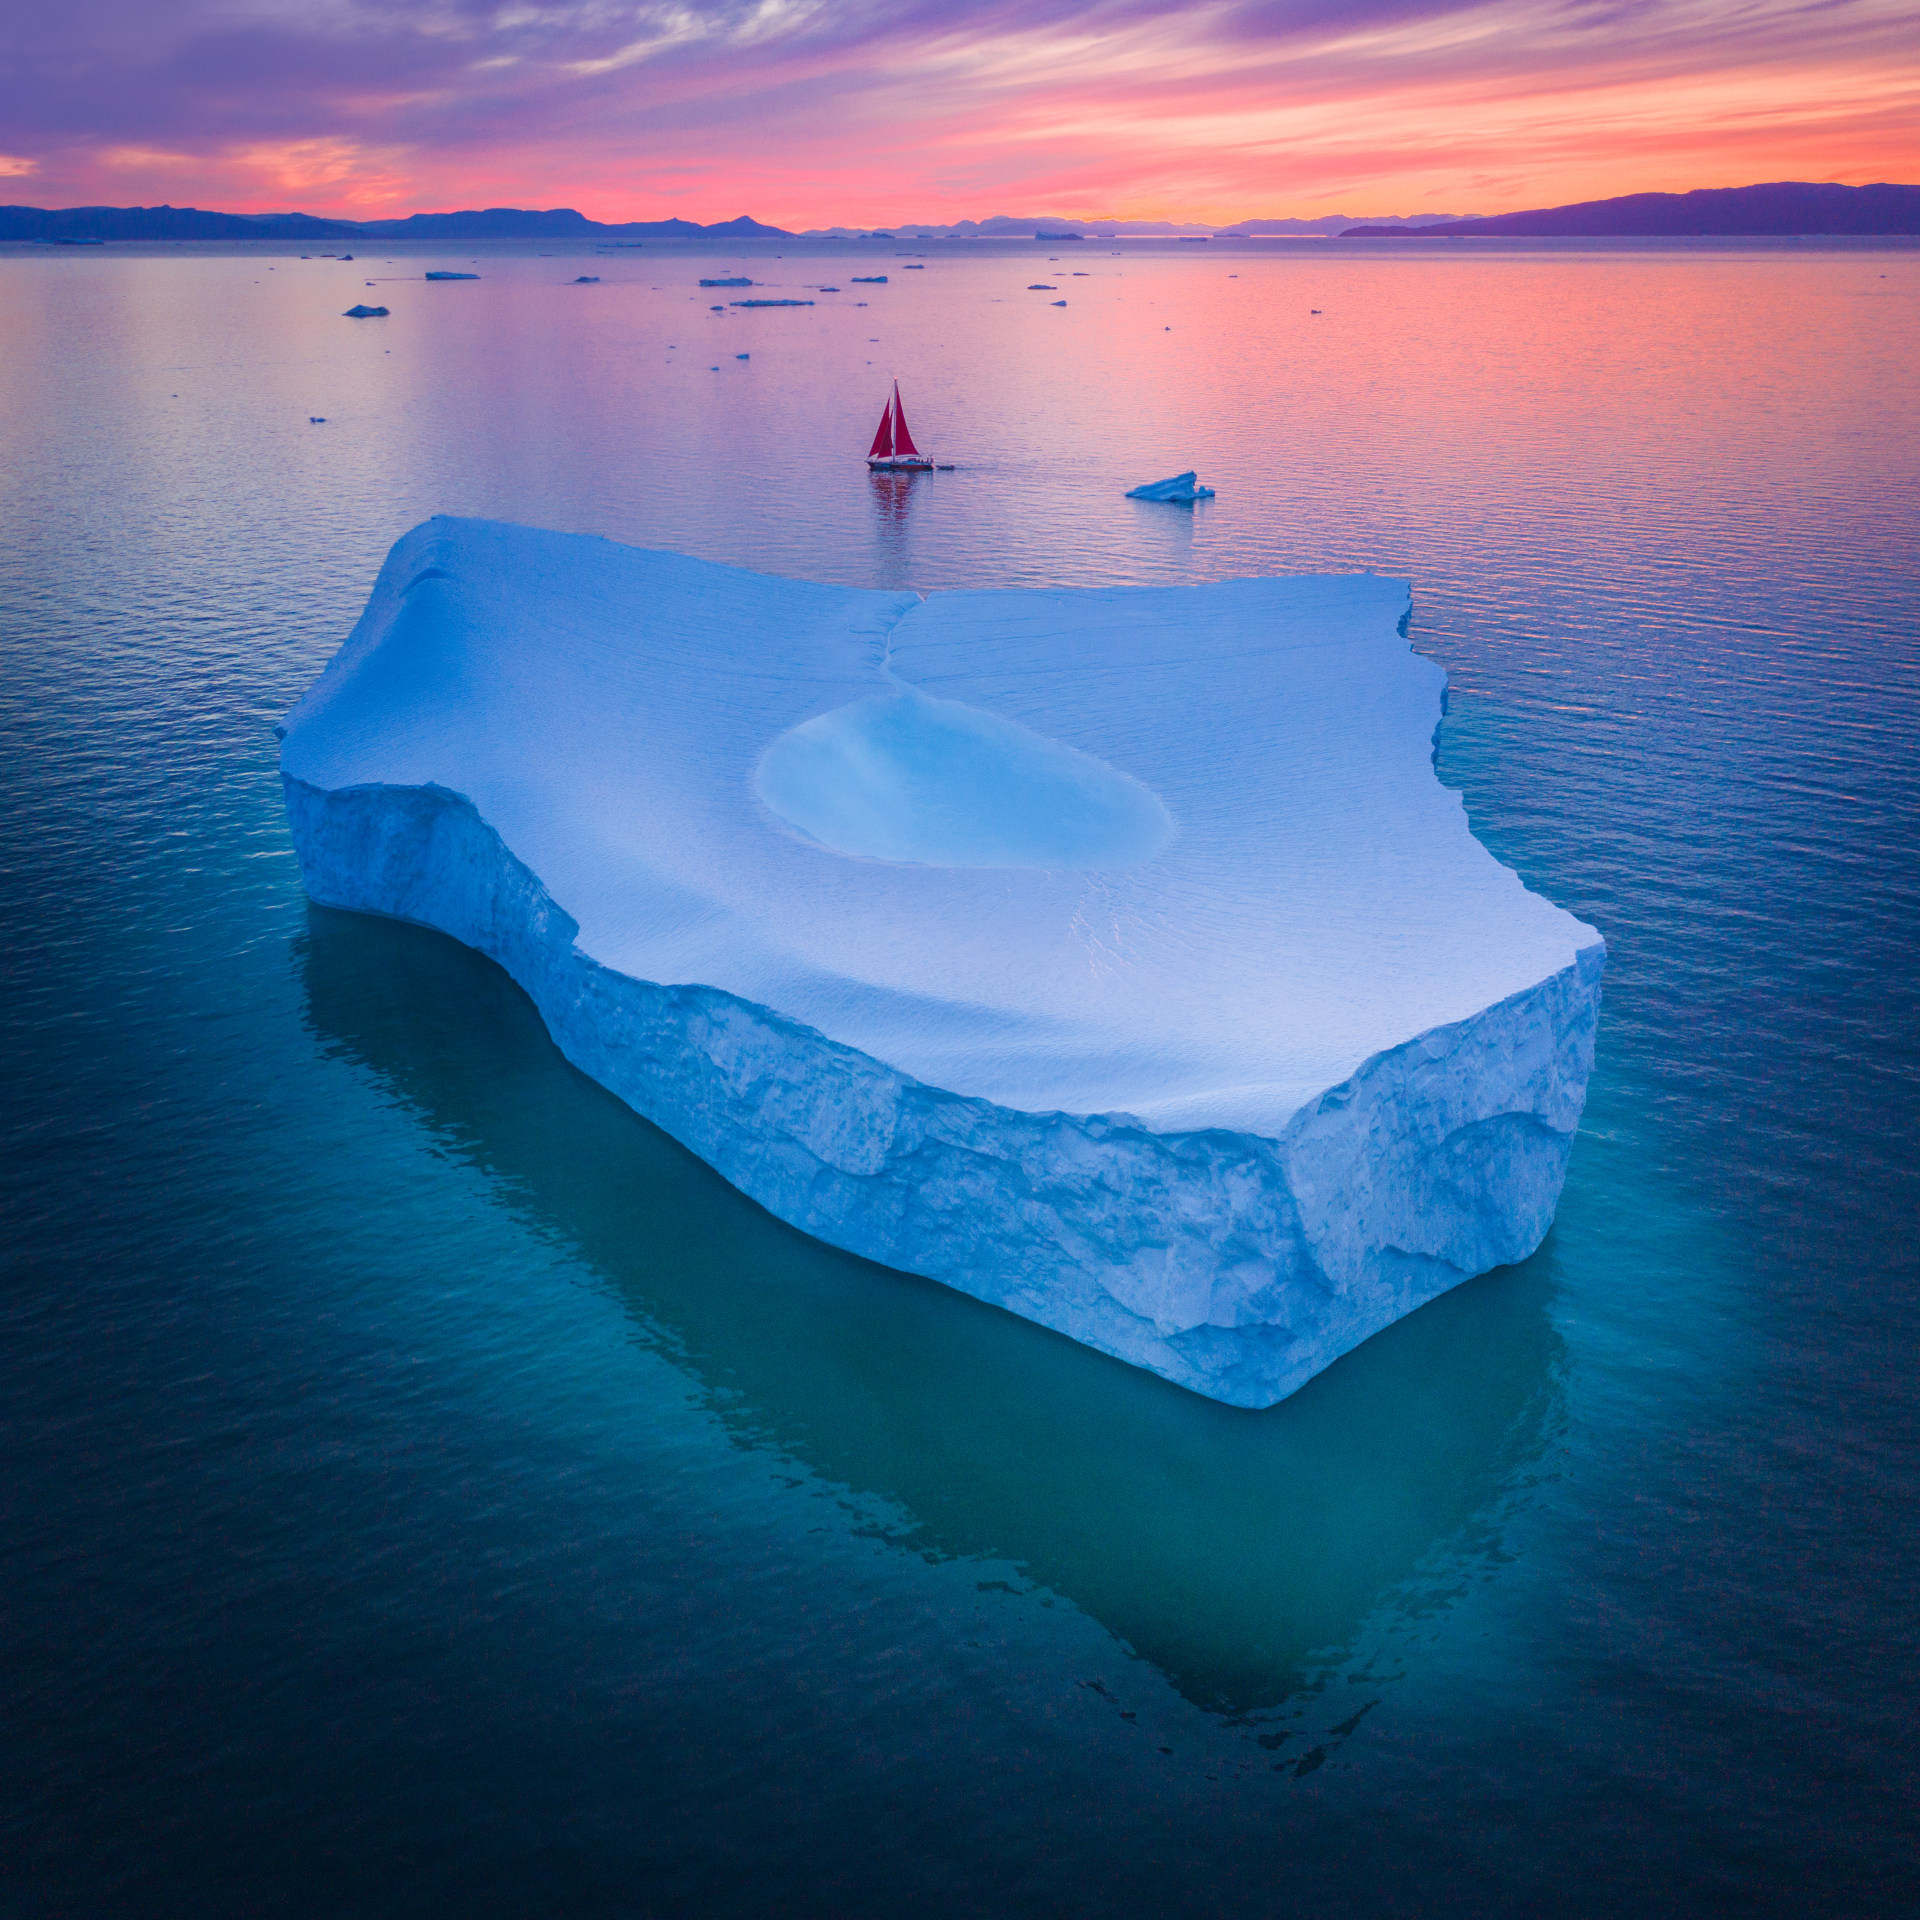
[{"x": 1114, "y": 956}]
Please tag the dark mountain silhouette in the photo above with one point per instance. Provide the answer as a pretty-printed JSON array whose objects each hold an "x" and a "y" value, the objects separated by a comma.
[
  {"x": 491, "y": 223},
  {"x": 1783, "y": 207},
  {"x": 164, "y": 223}
]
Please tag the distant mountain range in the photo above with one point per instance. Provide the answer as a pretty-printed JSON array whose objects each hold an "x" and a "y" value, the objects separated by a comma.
[
  {"x": 82, "y": 224},
  {"x": 1057, "y": 227},
  {"x": 1784, "y": 207}
]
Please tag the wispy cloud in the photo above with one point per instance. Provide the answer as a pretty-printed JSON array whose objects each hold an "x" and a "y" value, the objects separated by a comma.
[{"x": 873, "y": 110}]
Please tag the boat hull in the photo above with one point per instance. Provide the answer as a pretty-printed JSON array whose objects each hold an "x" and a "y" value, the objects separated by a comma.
[{"x": 893, "y": 465}]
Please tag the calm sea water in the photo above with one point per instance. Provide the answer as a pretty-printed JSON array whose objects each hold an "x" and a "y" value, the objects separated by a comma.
[{"x": 428, "y": 1490}]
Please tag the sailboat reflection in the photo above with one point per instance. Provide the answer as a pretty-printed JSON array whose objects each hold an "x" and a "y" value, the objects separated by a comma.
[
  {"x": 892, "y": 490},
  {"x": 1235, "y": 1551}
]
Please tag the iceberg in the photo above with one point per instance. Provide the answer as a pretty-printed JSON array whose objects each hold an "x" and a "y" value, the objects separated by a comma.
[
  {"x": 1181, "y": 487},
  {"x": 364, "y": 313},
  {"x": 1112, "y": 955}
]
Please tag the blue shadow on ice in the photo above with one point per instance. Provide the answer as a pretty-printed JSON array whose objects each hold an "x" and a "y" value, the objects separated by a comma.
[{"x": 906, "y": 777}]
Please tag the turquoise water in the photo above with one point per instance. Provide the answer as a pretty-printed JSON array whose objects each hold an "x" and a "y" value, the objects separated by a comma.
[{"x": 430, "y": 1490}]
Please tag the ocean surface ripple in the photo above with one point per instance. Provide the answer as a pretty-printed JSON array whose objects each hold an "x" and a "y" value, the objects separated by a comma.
[{"x": 430, "y": 1490}]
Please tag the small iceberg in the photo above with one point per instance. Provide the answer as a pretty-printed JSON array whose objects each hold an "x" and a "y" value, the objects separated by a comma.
[
  {"x": 735, "y": 280},
  {"x": 453, "y": 276},
  {"x": 1040, "y": 286},
  {"x": 869, "y": 279},
  {"x": 586, "y": 279},
  {"x": 365, "y": 313},
  {"x": 770, "y": 303},
  {"x": 1183, "y": 486}
]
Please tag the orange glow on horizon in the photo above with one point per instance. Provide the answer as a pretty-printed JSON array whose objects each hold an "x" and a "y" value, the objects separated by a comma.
[{"x": 1164, "y": 116}]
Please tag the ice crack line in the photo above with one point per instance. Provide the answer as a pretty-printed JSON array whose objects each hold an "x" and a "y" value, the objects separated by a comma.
[{"x": 886, "y": 643}]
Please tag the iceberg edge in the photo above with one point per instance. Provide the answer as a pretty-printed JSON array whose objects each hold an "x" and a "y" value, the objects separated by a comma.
[{"x": 1232, "y": 1263}]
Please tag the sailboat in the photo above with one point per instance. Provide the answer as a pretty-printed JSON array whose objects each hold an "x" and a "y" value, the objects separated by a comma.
[{"x": 893, "y": 450}]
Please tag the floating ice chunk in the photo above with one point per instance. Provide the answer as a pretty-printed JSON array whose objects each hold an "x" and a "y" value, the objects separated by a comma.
[
  {"x": 1113, "y": 956},
  {"x": 1181, "y": 487},
  {"x": 365, "y": 313},
  {"x": 453, "y": 276}
]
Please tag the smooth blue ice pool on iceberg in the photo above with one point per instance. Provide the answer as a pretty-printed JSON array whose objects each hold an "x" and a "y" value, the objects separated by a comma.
[
  {"x": 939, "y": 783},
  {"x": 1111, "y": 955}
]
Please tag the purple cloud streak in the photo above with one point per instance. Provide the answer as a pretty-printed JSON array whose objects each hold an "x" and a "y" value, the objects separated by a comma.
[{"x": 897, "y": 107}]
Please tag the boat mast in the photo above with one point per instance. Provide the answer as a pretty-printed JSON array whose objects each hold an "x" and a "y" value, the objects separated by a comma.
[{"x": 902, "y": 439}]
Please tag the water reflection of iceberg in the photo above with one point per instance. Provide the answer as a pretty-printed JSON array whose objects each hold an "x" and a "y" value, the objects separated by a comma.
[{"x": 1234, "y": 1551}]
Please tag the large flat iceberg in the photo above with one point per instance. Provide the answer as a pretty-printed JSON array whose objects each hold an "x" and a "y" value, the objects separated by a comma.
[{"x": 1113, "y": 955}]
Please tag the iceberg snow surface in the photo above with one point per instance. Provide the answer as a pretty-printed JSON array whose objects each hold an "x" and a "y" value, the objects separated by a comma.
[{"x": 1114, "y": 956}]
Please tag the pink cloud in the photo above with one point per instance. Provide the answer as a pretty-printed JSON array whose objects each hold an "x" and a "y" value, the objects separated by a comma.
[{"x": 807, "y": 112}]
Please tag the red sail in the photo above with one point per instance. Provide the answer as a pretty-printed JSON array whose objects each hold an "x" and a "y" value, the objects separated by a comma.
[
  {"x": 882, "y": 447},
  {"x": 902, "y": 439}
]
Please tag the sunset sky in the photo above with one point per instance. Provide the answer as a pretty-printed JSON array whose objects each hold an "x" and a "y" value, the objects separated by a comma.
[{"x": 814, "y": 112}]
